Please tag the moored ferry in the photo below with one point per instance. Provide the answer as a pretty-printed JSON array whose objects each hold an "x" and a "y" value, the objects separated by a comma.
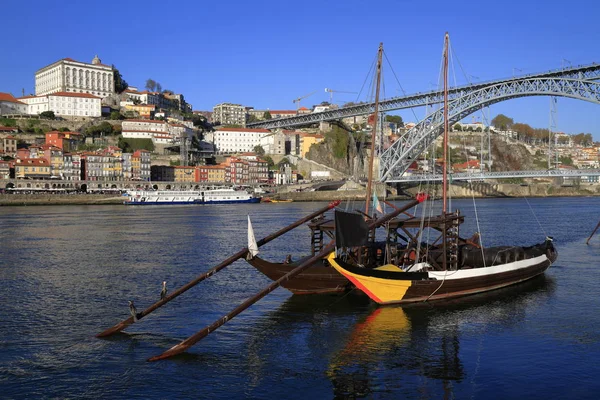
[{"x": 201, "y": 196}]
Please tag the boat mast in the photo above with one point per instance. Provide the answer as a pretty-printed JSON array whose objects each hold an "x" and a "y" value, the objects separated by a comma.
[
  {"x": 445, "y": 163},
  {"x": 374, "y": 132}
]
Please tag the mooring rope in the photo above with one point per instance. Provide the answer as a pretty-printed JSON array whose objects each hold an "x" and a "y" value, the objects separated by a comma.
[{"x": 536, "y": 218}]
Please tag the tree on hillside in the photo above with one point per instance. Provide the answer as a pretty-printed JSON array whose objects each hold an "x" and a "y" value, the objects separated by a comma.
[
  {"x": 457, "y": 127},
  {"x": 502, "y": 122},
  {"x": 150, "y": 84},
  {"x": 115, "y": 115},
  {"x": 104, "y": 128},
  {"x": 120, "y": 83},
  {"x": 583, "y": 139},
  {"x": 270, "y": 162},
  {"x": 258, "y": 149},
  {"x": 524, "y": 131},
  {"x": 48, "y": 115},
  {"x": 267, "y": 115},
  {"x": 396, "y": 119},
  {"x": 158, "y": 87}
]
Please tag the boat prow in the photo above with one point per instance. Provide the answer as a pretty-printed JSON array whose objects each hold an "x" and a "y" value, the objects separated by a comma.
[{"x": 319, "y": 278}]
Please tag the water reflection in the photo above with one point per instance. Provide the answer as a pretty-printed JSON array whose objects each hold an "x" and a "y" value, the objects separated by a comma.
[{"x": 392, "y": 346}]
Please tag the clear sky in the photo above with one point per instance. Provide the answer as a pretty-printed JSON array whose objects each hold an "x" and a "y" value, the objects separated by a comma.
[{"x": 266, "y": 53}]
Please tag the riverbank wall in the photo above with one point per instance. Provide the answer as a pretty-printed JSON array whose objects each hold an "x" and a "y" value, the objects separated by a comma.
[
  {"x": 47, "y": 199},
  {"x": 457, "y": 191}
]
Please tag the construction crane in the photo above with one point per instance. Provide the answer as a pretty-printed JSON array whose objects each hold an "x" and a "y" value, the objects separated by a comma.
[
  {"x": 331, "y": 91},
  {"x": 303, "y": 97}
]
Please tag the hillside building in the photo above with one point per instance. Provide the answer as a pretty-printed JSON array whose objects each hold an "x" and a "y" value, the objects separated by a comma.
[
  {"x": 229, "y": 114},
  {"x": 68, "y": 75}
]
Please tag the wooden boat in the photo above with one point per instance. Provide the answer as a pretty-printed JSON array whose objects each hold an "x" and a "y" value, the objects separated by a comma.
[{"x": 453, "y": 268}]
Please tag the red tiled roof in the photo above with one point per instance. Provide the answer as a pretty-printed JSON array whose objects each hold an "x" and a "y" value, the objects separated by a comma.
[
  {"x": 73, "y": 94},
  {"x": 141, "y": 130},
  {"x": 28, "y": 97},
  {"x": 145, "y": 120},
  {"x": 47, "y": 146},
  {"x": 9, "y": 98},
  {"x": 7, "y": 128},
  {"x": 33, "y": 161},
  {"x": 141, "y": 105},
  {"x": 244, "y": 130}
]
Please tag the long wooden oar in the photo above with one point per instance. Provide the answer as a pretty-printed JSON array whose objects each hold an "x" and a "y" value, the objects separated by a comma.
[
  {"x": 242, "y": 253},
  {"x": 189, "y": 342},
  {"x": 595, "y": 229}
]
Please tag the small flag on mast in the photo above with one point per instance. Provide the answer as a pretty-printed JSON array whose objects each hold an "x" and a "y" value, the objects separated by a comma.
[
  {"x": 377, "y": 204},
  {"x": 252, "y": 245}
]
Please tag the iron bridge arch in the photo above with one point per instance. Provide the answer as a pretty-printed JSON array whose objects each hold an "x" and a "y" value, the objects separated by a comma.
[{"x": 398, "y": 157}]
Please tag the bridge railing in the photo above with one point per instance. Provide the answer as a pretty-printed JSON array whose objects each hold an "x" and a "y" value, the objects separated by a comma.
[{"x": 467, "y": 176}]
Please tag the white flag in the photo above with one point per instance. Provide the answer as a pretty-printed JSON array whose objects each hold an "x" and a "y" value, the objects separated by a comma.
[{"x": 252, "y": 246}]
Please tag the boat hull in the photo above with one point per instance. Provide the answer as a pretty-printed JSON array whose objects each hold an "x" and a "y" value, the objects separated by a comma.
[
  {"x": 150, "y": 203},
  {"x": 403, "y": 287},
  {"x": 318, "y": 278}
]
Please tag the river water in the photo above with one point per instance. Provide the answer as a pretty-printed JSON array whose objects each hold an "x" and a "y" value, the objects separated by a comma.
[{"x": 67, "y": 273}]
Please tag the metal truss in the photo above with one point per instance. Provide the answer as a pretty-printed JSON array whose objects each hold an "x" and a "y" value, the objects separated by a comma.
[
  {"x": 587, "y": 72},
  {"x": 477, "y": 176},
  {"x": 398, "y": 157}
]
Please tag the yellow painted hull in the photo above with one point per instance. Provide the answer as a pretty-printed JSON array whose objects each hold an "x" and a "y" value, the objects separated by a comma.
[{"x": 380, "y": 290}]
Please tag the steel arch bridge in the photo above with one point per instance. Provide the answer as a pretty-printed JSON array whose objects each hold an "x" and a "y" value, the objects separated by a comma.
[
  {"x": 586, "y": 72},
  {"x": 479, "y": 176},
  {"x": 398, "y": 157}
]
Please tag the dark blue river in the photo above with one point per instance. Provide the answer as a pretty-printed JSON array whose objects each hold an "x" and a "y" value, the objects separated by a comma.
[{"x": 67, "y": 273}]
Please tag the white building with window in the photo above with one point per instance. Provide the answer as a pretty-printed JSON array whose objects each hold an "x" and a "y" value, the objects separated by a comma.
[
  {"x": 160, "y": 132},
  {"x": 235, "y": 140},
  {"x": 10, "y": 105},
  {"x": 144, "y": 128},
  {"x": 65, "y": 104},
  {"x": 68, "y": 75}
]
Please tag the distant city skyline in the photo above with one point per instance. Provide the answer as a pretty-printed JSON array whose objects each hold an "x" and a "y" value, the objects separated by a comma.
[{"x": 265, "y": 54}]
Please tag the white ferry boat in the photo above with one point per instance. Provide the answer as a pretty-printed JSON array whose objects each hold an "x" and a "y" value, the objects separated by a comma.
[{"x": 202, "y": 196}]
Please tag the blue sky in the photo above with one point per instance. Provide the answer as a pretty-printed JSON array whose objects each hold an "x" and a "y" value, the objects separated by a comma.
[{"x": 266, "y": 53}]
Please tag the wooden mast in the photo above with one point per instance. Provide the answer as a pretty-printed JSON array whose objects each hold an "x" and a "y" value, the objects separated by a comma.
[
  {"x": 445, "y": 163},
  {"x": 374, "y": 132}
]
